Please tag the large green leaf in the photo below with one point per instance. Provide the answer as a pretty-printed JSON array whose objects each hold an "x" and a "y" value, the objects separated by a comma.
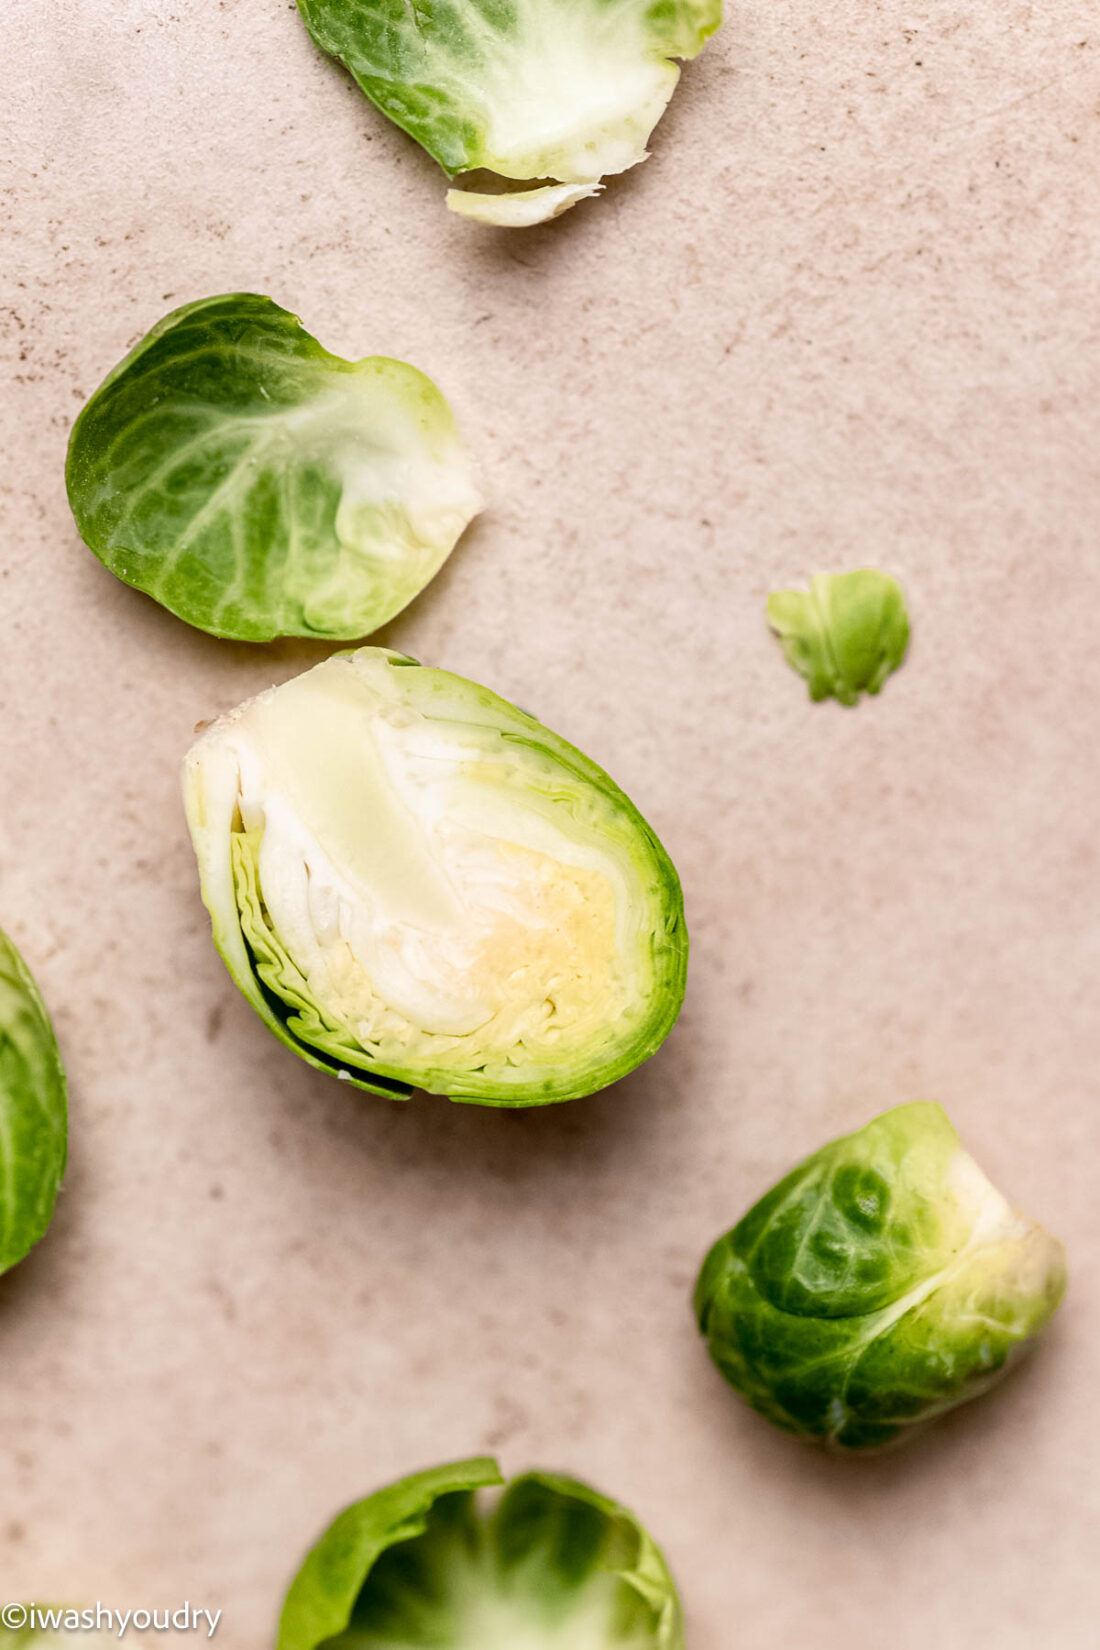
[
  {"x": 258, "y": 486},
  {"x": 567, "y": 90}
]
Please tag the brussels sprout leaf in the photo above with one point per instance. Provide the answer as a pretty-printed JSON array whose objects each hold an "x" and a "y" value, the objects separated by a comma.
[
  {"x": 846, "y": 636},
  {"x": 257, "y": 486},
  {"x": 431, "y": 1564},
  {"x": 532, "y": 90}
]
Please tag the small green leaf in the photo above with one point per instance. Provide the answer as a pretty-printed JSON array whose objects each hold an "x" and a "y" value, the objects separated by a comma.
[
  {"x": 33, "y": 1110},
  {"x": 846, "y": 636},
  {"x": 257, "y": 486}
]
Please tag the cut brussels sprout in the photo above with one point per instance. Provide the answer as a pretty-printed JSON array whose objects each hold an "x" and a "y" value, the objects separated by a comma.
[
  {"x": 257, "y": 486},
  {"x": 846, "y": 636},
  {"x": 416, "y": 884},
  {"x": 446, "y": 1560},
  {"x": 33, "y": 1110},
  {"x": 551, "y": 92},
  {"x": 881, "y": 1282}
]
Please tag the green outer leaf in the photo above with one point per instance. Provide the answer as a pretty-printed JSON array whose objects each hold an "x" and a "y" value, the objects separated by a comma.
[
  {"x": 218, "y": 882},
  {"x": 250, "y": 950},
  {"x": 322, "y": 1597},
  {"x": 846, "y": 636},
  {"x": 448, "y": 71},
  {"x": 639, "y": 1562},
  {"x": 33, "y": 1110},
  {"x": 852, "y": 1227},
  {"x": 387, "y": 49},
  {"x": 258, "y": 486},
  {"x": 330, "y": 1049},
  {"x": 323, "y": 1593},
  {"x": 945, "y": 1286}
]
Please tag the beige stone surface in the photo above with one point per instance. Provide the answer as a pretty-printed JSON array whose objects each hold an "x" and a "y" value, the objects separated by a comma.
[{"x": 845, "y": 314}]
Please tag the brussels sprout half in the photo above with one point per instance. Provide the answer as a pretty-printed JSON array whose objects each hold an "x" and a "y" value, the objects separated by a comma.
[
  {"x": 257, "y": 486},
  {"x": 34, "y": 1116},
  {"x": 846, "y": 636},
  {"x": 416, "y": 884},
  {"x": 435, "y": 1562},
  {"x": 880, "y": 1283},
  {"x": 559, "y": 93}
]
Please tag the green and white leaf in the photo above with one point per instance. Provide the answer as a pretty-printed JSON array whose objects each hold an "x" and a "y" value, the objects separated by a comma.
[
  {"x": 445, "y": 1561},
  {"x": 881, "y": 1282},
  {"x": 257, "y": 486},
  {"x": 846, "y": 636},
  {"x": 560, "y": 90},
  {"x": 522, "y": 208},
  {"x": 33, "y": 1110},
  {"x": 416, "y": 884}
]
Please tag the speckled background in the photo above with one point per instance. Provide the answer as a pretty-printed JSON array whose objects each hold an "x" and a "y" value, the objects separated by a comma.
[{"x": 846, "y": 314}]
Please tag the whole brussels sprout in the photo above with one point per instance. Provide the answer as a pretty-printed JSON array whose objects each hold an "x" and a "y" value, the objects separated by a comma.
[
  {"x": 438, "y": 1561},
  {"x": 34, "y": 1116},
  {"x": 880, "y": 1283},
  {"x": 415, "y": 883}
]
